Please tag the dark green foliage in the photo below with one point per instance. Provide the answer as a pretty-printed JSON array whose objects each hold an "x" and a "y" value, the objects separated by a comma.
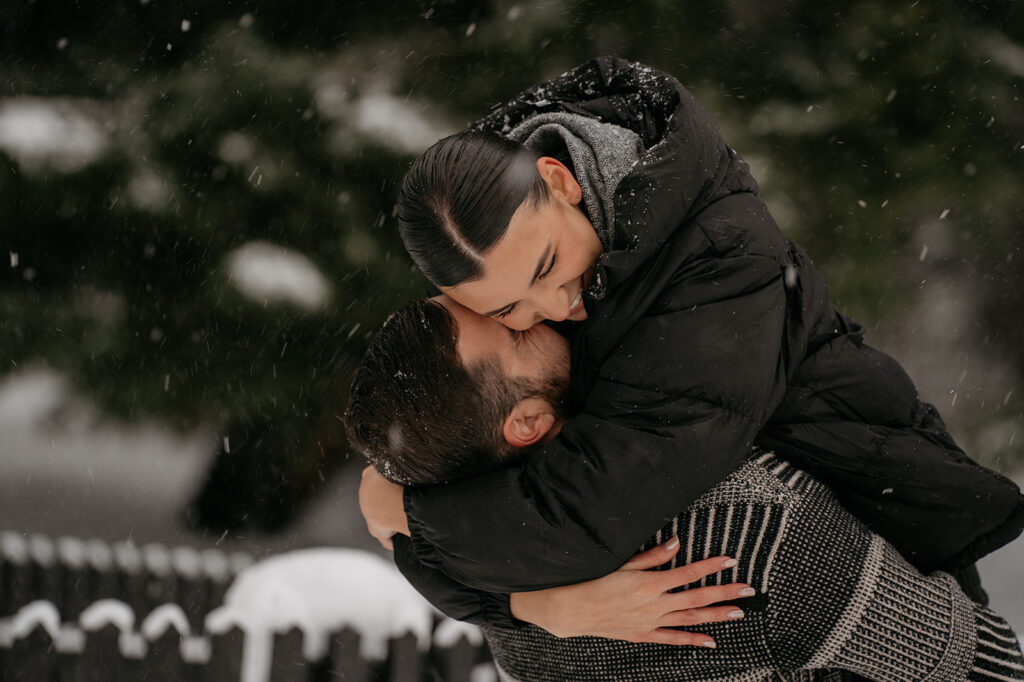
[{"x": 862, "y": 120}]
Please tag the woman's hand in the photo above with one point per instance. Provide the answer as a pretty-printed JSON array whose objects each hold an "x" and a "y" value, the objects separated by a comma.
[
  {"x": 380, "y": 500},
  {"x": 634, "y": 604}
]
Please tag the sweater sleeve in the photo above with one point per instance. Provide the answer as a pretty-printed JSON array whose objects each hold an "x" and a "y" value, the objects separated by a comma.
[
  {"x": 673, "y": 410},
  {"x": 841, "y": 597},
  {"x": 905, "y": 626}
]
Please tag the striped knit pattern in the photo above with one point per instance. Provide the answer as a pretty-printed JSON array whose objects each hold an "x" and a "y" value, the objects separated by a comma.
[
  {"x": 998, "y": 654},
  {"x": 831, "y": 596},
  {"x": 903, "y": 607}
]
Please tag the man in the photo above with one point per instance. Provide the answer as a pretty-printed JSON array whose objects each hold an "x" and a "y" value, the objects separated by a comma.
[{"x": 443, "y": 394}]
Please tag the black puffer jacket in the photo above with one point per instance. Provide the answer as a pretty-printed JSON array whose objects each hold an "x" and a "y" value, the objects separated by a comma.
[{"x": 710, "y": 330}]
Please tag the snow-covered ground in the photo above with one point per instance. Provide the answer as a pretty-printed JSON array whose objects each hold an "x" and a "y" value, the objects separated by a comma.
[{"x": 64, "y": 471}]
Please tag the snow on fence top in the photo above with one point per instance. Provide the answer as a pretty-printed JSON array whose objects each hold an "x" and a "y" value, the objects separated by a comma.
[
  {"x": 74, "y": 598},
  {"x": 16, "y": 548}
]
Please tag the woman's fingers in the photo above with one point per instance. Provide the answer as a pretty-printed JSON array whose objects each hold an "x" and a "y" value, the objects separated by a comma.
[
  {"x": 682, "y": 575},
  {"x": 383, "y": 537},
  {"x": 700, "y": 616},
  {"x": 705, "y": 596},
  {"x": 677, "y": 638},
  {"x": 653, "y": 557},
  {"x": 691, "y": 573}
]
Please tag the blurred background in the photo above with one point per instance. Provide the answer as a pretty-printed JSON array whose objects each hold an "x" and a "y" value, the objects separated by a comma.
[{"x": 197, "y": 208}]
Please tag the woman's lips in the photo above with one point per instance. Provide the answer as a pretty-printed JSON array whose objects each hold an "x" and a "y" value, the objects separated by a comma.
[
  {"x": 576, "y": 306},
  {"x": 577, "y": 303}
]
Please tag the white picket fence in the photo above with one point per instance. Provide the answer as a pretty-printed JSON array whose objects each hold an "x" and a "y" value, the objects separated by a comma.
[{"x": 84, "y": 610}]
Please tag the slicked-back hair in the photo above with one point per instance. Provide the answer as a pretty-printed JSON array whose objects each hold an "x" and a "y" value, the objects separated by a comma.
[
  {"x": 458, "y": 198},
  {"x": 418, "y": 415}
]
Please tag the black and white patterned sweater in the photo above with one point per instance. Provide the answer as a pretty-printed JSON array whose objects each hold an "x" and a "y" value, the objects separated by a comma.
[{"x": 834, "y": 602}]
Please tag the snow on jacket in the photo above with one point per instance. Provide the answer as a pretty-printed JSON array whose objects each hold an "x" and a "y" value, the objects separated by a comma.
[{"x": 708, "y": 328}]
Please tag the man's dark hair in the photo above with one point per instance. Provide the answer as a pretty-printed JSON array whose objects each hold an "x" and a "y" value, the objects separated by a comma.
[
  {"x": 417, "y": 414},
  {"x": 458, "y": 198}
]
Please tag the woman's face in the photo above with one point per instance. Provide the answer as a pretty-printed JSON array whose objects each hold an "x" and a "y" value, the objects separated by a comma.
[{"x": 543, "y": 263}]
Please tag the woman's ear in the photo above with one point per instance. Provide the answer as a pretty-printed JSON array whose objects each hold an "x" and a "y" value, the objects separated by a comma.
[
  {"x": 528, "y": 422},
  {"x": 559, "y": 178}
]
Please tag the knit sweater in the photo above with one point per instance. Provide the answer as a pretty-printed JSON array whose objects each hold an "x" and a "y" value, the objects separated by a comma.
[{"x": 833, "y": 601}]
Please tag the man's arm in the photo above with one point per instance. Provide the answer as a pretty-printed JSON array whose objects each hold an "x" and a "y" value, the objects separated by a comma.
[{"x": 839, "y": 596}]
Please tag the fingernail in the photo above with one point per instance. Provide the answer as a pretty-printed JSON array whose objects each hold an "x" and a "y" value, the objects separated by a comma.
[
  {"x": 708, "y": 643},
  {"x": 747, "y": 592},
  {"x": 735, "y": 614},
  {"x": 672, "y": 545},
  {"x": 729, "y": 563}
]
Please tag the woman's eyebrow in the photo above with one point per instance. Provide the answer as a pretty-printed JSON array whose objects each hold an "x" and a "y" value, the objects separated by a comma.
[{"x": 541, "y": 263}]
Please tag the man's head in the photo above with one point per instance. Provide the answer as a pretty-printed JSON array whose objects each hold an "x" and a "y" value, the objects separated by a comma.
[{"x": 444, "y": 393}]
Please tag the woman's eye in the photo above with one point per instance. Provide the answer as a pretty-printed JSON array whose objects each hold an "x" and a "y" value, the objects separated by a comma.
[
  {"x": 506, "y": 313},
  {"x": 554, "y": 259}
]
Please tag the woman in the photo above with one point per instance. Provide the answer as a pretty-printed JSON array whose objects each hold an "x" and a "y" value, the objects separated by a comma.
[{"x": 618, "y": 205}]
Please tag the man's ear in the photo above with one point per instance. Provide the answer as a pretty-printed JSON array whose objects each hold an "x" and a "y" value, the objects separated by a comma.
[
  {"x": 529, "y": 422},
  {"x": 559, "y": 178}
]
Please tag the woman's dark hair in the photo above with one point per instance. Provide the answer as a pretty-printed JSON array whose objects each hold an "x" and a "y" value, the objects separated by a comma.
[{"x": 458, "y": 198}]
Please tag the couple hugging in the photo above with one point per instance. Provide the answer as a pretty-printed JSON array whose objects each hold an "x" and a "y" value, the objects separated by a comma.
[{"x": 629, "y": 355}]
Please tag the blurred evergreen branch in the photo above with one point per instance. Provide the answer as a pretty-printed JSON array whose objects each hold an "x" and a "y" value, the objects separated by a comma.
[{"x": 224, "y": 124}]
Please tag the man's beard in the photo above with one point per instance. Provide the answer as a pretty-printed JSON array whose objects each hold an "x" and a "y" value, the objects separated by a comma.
[{"x": 554, "y": 389}]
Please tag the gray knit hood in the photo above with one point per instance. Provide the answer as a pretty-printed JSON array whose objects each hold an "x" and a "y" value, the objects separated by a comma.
[{"x": 600, "y": 155}]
